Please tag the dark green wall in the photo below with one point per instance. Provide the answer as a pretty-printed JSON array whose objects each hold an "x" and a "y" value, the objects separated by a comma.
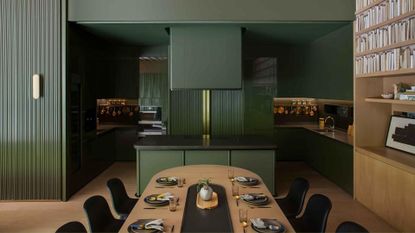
[
  {"x": 154, "y": 91},
  {"x": 202, "y": 10},
  {"x": 30, "y": 130},
  {"x": 321, "y": 69}
]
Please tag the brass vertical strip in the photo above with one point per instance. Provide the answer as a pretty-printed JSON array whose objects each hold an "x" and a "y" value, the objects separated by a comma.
[
  {"x": 206, "y": 113},
  {"x": 203, "y": 113}
]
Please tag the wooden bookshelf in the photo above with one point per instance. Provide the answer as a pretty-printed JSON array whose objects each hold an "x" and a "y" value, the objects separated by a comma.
[
  {"x": 387, "y": 22},
  {"x": 385, "y": 74},
  {"x": 379, "y": 171},
  {"x": 369, "y": 6},
  {"x": 386, "y": 48},
  {"x": 390, "y": 101},
  {"x": 396, "y": 158}
]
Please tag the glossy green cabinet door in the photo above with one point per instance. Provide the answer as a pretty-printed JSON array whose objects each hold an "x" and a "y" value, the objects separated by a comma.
[
  {"x": 261, "y": 162},
  {"x": 216, "y": 157},
  {"x": 205, "y": 57},
  {"x": 152, "y": 162}
]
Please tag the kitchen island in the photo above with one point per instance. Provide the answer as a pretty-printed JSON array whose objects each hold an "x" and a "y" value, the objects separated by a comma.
[{"x": 157, "y": 153}]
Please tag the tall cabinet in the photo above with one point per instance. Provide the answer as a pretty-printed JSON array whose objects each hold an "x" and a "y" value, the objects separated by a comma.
[
  {"x": 30, "y": 130},
  {"x": 384, "y": 39}
]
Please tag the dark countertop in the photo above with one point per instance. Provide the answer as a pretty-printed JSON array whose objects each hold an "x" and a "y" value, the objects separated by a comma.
[
  {"x": 102, "y": 129},
  {"x": 167, "y": 142},
  {"x": 338, "y": 135}
]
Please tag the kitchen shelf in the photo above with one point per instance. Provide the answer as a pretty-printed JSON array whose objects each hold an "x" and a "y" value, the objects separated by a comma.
[
  {"x": 149, "y": 122},
  {"x": 396, "y": 158},
  {"x": 386, "y": 48},
  {"x": 401, "y": 72},
  {"x": 387, "y": 22},
  {"x": 369, "y": 6},
  {"x": 390, "y": 101}
]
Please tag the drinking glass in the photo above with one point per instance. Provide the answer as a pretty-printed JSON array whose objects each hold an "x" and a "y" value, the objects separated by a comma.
[
  {"x": 243, "y": 217},
  {"x": 235, "y": 191},
  {"x": 231, "y": 173},
  {"x": 172, "y": 204},
  {"x": 179, "y": 182}
]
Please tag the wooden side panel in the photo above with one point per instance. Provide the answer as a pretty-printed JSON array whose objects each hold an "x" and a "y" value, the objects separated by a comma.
[{"x": 386, "y": 190}]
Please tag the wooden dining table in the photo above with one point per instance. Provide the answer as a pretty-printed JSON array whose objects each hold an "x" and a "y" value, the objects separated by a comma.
[{"x": 219, "y": 176}]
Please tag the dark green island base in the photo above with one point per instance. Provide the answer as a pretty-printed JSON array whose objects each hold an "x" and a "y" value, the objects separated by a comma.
[{"x": 157, "y": 153}]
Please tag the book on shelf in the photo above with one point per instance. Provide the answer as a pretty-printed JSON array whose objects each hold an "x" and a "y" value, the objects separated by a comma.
[
  {"x": 401, "y": 31},
  {"x": 381, "y": 12},
  {"x": 391, "y": 60},
  {"x": 408, "y": 95}
]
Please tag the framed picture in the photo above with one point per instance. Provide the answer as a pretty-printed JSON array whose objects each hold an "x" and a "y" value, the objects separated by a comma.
[{"x": 401, "y": 134}]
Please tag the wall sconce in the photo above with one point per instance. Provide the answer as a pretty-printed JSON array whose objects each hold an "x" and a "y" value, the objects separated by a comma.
[{"x": 36, "y": 86}]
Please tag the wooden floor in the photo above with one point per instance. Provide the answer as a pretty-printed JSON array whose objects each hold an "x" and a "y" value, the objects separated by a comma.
[{"x": 48, "y": 216}]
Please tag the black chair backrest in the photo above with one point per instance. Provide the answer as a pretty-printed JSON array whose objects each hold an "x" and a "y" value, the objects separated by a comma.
[
  {"x": 347, "y": 227},
  {"x": 317, "y": 212},
  {"x": 118, "y": 193},
  {"x": 98, "y": 213},
  {"x": 297, "y": 193},
  {"x": 72, "y": 227}
]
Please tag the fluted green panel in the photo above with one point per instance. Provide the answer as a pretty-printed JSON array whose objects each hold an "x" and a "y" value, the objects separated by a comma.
[
  {"x": 227, "y": 112},
  {"x": 186, "y": 112},
  {"x": 30, "y": 130}
]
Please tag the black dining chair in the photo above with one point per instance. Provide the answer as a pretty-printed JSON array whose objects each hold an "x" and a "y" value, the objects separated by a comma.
[
  {"x": 350, "y": 227},
  {"x": 122, "y": 203},
  {"x": 292, "y": 204},
  {"x": 99, "y": 215},
  {"x": 72, "y": 227},
  {"x": 315, "y": 215}
]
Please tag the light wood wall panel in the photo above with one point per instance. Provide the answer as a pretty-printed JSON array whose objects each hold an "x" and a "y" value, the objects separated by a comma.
[
  {"x": 30, "y": 130},
  {"x": 386, "y": 190}
]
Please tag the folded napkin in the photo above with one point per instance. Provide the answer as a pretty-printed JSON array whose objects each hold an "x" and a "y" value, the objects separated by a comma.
[
  {"x": 169, "y": 179},
  {"x": 155, "y": 225},
  {"x": 253, "y": 197},
  {"x": 164, "y": 196},
  {"x": 260, "y": 224},
  {"x": 244, "y": 179}
]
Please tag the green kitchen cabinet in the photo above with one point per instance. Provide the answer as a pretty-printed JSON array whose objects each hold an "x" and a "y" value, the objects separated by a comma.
[
  {"x": 217, "y": 157},
  {"x": 151, "y": 162},
  {"x": 330, "y": 158},
  {"x": 261, "y": 162},
  {"x": 126, "y": 74},
  {"x": 205, "y": 57},
  {"x": 290, "y": 143},
  {"x": 124, "y": 138}
]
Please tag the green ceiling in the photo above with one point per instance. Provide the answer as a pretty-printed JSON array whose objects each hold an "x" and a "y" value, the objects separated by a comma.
[{"x": 264, "y": 33}]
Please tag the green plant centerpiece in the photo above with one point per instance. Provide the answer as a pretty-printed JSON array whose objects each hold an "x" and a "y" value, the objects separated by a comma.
[{"x": 204, "y": 189}]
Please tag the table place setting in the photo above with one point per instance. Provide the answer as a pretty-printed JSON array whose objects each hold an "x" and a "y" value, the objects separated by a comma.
[
  {"x": 255, "y": 199},
  {"x": 264, "y": 225},
  {"x": 169, "y": 181},
  {"x": 160, "y": 200},
  {"x": 149, "y": 226},
  {"x": 246, "y": 181}
]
